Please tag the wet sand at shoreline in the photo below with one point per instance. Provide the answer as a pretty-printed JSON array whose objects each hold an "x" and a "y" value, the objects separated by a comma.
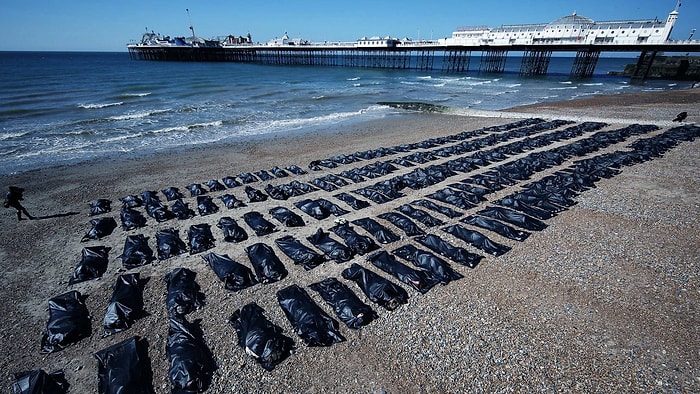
[{"x": 605, "y": 299}]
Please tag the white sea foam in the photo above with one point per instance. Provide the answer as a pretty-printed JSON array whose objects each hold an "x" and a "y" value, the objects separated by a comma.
[
  {"x": 136, "y": 94},
  {"x": 204, "y": 125},
  {"x": 56, "y": 149},
  {"x": 502, "y": 92},
  {"x": 370, "y": 83},
  {"x": 138, "y": 115},
  {"x": 185, "y": 128},
  {"x": 6, "y": 136},
  {"x": 122, "y": 137},
  {"x": 297, "y": 123},
  {"x": 587, "y": 94},
  {"x": 79, "y": 132},
  {"x": 169, "y": 129},
  {"x": 98, "y": 106},
  {"x": 471, "y": 82},
  {"x": 353, "y": 79}
]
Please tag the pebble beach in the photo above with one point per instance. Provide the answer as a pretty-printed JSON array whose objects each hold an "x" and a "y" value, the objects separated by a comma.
[{"x": 605, "y": 299}]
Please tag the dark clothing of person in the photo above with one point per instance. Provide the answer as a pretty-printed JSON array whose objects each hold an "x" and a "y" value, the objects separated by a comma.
[{"x": 13, "y": 198}]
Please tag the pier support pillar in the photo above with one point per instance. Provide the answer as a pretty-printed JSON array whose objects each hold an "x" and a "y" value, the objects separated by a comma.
[
  {"x": 584, "y": 63},
  {"x": 456, "y": 60},
  {"x": 424, "y": 60},
  {"x": 641, "y": 70},
  {"x": 535, "y": 62},
  {"x": 493, "y": 61}
]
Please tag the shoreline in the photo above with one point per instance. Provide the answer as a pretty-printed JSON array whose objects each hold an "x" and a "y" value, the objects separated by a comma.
[
  {"x": 651, "y": 107},
  {"x": 602, "y": 300}
]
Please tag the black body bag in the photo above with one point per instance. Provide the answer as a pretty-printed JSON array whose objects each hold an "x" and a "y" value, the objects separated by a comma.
[
  {"x": 169, "y": 244},
  {"x": 191, "y": 362},
  {"x": 345, "y": 303},
  {"x": 92, "y": 265},
  {"x": 268, "y": 267},
  {"x": 183, "y": 294},
  {"x": 260, "y": 338},
  {"x": 300, "y": 253},
  {"x": 69, "y": 322},
  {"x": 418, "y": 279},
  {"x": 377, "y": 288},
  {"x": 310, "y": 322},
  {"x": 125, "y": 368},
  {"x": 235, "y": 276},
  {"x": 126, "y": 304}
]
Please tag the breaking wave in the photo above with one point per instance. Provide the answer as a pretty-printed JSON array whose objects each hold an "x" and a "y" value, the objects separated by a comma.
[
  {"x": 128, "y": 95},
  {"x": 98, "y": 106},
  {"x": 139, "y": 115}
]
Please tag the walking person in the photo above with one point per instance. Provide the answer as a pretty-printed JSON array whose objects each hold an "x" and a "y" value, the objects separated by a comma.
[{"x": 13, "y": 198}]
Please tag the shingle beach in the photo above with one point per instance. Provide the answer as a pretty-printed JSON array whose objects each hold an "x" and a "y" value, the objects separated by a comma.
[{"x": 604, "y": 299}]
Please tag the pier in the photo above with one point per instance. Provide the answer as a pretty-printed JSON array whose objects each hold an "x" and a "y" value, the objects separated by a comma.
[
  {"x": 477, "y": 48},
  {"x": 487, "y": 59}
]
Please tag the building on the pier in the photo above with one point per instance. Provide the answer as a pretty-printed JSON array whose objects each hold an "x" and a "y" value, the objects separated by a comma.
[
  {"x": 233, "y": 40},
  {"x": 571, "y": 29},
  {"x": 377, "y": 42},
  {"x": 286, "y": 41}
]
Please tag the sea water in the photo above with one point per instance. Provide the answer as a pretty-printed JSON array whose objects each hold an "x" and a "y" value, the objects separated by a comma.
[{"x": 62, "y": 108}]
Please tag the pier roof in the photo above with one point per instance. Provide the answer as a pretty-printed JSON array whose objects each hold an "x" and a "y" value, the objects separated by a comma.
[{"x": 573, "y": 19}]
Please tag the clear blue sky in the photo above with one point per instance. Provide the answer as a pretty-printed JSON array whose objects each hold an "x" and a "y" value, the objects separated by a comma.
[{"x": 94, "y": 25}]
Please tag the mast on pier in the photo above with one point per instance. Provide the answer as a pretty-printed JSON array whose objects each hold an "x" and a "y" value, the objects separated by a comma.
[{"x": 190, "y": 20}]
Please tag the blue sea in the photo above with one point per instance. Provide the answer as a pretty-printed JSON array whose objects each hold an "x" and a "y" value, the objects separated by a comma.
[{"x": 62, "y": 108}]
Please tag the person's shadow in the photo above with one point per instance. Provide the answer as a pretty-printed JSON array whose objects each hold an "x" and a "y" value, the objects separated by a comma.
[{"x": 58, "y": 215}]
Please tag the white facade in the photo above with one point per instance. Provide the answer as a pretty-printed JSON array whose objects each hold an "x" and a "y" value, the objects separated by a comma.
[
  {"x": 572, "y": 29},
  {"x": 376, "y": 42},
  {"x": 286, "y": 41}
]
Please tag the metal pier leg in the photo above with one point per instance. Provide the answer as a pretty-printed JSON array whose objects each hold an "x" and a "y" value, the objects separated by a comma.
[
  {"x": 456, "y": 60},
  {"x": 584, "y": 63},
  {"x": 535, "y": 62},
  {"x": 493, "y": 61},
  {"x": 353, "y": 59},
  {"x": 425, "y": 59},
  {"x": 641, "y": 70}
]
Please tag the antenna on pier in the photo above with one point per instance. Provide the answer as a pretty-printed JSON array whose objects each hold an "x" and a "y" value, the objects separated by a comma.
[
  {"x": 190, "y": 20},
  {"x": 678, "y": 5}
]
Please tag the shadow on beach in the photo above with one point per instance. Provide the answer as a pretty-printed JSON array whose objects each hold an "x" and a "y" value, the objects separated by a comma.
[{"x": 58, "y": 215}]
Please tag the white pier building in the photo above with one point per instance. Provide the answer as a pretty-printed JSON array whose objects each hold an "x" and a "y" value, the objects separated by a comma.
[{"x": 571, "y": 29}]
